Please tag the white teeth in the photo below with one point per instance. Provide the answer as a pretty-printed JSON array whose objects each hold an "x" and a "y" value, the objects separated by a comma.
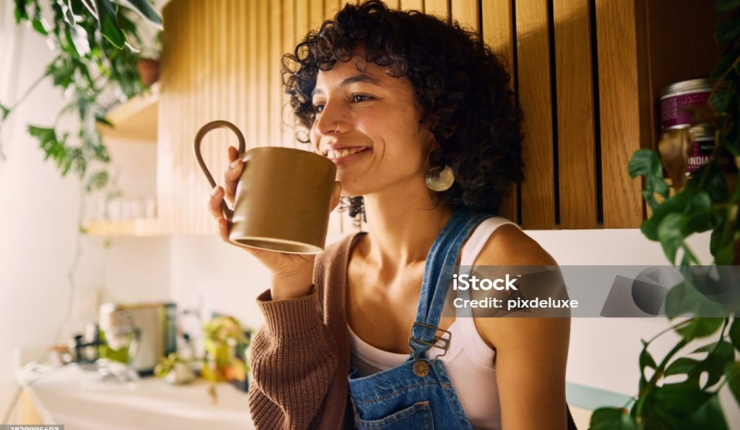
[{"x": 333, "y": 155}]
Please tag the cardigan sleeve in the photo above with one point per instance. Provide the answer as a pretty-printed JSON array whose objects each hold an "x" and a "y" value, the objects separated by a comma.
[{"x": 294, "y": 359}]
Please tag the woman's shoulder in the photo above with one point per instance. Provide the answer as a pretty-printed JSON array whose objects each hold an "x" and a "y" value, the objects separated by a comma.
[{"x": 509, "y": 245}]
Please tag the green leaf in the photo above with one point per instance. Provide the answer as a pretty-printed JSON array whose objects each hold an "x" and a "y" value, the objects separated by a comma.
[
  {"x": 709, "y": 415},
  {"x": 683, "y": 365},
  {"x": 735, "y": 333},
  {"x": 4, "y": 112},
  {"x": 724, "y": 6},
  {"x": 647, "y": 163},
  {"x": 646, "y": 360},
  {"x": 143, "y": 8},
  {"x": 97, "y": 181},
  {"x": 680, "y": 399},
  {"x": 717, "y": 361},
  {"x": 670, "y": 236},
  {"x": 727, "y": 32},
  {"x": 108, "y": 25},
  {"x": 612, "y": 419},
  {"x": 677, "y": 203},
  {"x": 700, "y": 327},
  {"x": 38, "y": 26}
]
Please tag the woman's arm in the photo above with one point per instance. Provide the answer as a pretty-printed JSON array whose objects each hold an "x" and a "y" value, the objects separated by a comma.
[
  {"x": 531, "y": 352},
  {"x": 293, "y": 358}
]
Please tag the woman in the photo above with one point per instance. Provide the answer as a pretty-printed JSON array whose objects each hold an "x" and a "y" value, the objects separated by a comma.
[{"x": 402, "y": 103}]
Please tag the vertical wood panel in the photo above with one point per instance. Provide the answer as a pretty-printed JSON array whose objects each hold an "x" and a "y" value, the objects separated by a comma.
[
  {"x": 287, "y": 121},
  {"x": 263, "y": 78},
  {"x": 497, "y": 29},
  {"x": 576, "y": 142},
  {"x": 412, "y": 5},
  {"x": 316, "y": 14},
  {"x": 273, "y": 64},
  {"x": 619, "y": 93},
  {"x": 439, "y": 8},
  {"x": 533, "y": 60},
  {"x": 331, "y": 7},
  {"x": 253, "y": 64},
  {"x": 466, "y": 13}
]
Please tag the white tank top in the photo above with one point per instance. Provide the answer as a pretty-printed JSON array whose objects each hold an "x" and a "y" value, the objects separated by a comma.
[{"x": 469, "y": 361}]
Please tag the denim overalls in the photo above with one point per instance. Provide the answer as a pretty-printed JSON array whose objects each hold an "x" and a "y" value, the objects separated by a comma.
[{"x": 418, "y": 394}]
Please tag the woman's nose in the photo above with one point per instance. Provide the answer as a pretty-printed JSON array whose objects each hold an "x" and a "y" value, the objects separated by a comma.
[{"x": 329, "y": 120}]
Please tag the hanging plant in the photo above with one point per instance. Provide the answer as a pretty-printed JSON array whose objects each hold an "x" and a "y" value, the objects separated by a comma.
[{"x": 95, "y": 42}]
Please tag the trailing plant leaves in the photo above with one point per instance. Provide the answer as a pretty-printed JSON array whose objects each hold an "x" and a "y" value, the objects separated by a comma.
[
  {"x": 675, "y": 204},
  {"x": 38, "y": 26},
  {"x": 700, "y": 327},
  {"x": 726, "y": 32},
  {"x": 670, "y": 236},
  {"x": 143, "y": 8},
  {"x": 108, "y": 26},
  {"x": 97, "y": 181},
  {"x": 647, "y": 163},
  {"x": 612, "y": 419}
]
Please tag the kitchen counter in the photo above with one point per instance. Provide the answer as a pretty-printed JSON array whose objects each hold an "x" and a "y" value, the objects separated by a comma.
[{"x": 79, "y": 400}]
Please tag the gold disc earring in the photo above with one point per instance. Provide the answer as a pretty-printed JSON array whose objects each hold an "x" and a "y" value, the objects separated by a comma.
[{"x": 439, "y": 178}]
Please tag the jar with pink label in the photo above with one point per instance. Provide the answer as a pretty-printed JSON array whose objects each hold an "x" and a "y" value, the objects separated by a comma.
[{"x": 677, "y": 99}]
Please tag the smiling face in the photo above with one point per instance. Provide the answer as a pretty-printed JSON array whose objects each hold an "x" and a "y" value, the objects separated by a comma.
[{"x": 367, "y": 123}]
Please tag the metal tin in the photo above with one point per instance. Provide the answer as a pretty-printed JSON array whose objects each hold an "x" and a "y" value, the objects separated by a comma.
[{"x": 677, "y": 97}]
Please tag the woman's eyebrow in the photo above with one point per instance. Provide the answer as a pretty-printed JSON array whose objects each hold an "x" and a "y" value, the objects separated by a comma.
[{"x": 351, "y": 80}]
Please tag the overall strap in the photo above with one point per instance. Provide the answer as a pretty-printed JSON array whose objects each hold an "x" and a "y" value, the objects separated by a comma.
[{"x": 438, "y": 271}]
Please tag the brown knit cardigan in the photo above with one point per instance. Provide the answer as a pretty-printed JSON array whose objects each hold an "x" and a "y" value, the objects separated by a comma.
[{"x": 300, "y": 356}]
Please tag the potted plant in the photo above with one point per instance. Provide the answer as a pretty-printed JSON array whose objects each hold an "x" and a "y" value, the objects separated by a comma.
[
  {"x": 704, "y": 357},
  {"x": 95, "y": 66},
  {"x": 225, "y": 342}
]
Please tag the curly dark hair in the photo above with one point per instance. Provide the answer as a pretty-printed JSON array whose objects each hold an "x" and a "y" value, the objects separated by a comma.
[{"x": 460, "y": 84}]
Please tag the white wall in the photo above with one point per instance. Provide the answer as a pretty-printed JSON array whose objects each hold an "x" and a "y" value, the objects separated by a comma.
[{"x": 38, "y": 227}]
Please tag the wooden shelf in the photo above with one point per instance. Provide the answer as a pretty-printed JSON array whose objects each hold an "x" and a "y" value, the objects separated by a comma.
[
  {"x": 134, "y": 120},
  {"x": 140, "y": 227}
]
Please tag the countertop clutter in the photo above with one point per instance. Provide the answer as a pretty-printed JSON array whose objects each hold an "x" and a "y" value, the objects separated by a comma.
[{"x": 78, "y": 399}]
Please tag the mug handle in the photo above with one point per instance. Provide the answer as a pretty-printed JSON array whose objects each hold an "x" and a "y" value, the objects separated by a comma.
[{"x": 228, "y": 213}]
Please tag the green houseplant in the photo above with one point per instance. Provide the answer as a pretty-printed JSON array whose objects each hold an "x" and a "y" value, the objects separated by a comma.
[
  {"x": 704, "y": 359},
  {"x": 95, "y": 65}
]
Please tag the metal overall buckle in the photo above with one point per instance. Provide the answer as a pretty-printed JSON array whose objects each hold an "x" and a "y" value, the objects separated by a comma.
[{"x": 421, "y": 367}]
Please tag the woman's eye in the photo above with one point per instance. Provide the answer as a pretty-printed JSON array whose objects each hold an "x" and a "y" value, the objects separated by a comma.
[
  {"x": 318, "y": 108},
  {"x": 360, "y": 98}
]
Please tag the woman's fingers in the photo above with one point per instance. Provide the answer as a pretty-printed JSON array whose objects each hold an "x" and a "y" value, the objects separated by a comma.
[
  {"x": 214, "y": 207},
  {"x": 232, "y": 175}
]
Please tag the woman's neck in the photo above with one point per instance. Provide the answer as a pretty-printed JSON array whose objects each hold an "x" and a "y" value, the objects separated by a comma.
[{"x": 402, "y": 227}]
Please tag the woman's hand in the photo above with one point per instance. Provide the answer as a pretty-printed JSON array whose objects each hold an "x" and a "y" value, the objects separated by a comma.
[{"x": 291, "y": 273}]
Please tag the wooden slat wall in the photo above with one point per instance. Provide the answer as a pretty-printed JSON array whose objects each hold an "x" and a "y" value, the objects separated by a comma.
[
  {"x": 222, "y": 61},
  {"x": 575, "y": 119},
  {"x": 620, "y": 90},
  {"x": 533, "y": 77}
]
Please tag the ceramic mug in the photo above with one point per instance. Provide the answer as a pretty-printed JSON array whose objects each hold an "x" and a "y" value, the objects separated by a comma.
[{"x": 283, "y": 196}]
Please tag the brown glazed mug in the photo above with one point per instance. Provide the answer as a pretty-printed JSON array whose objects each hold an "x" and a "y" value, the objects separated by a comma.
[{"x": 283, "y": 196}]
